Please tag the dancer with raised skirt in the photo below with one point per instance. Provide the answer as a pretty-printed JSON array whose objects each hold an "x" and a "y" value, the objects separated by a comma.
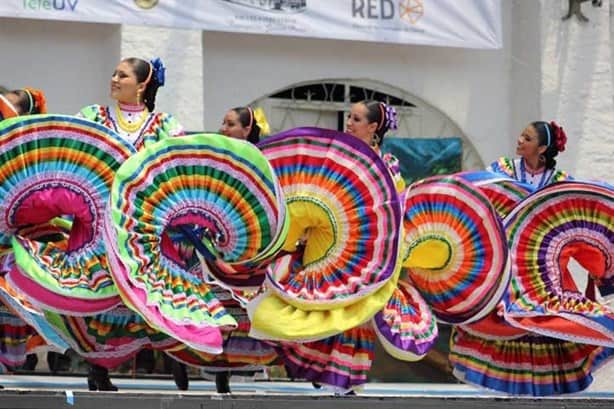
[{"x": 550, "y": 332}]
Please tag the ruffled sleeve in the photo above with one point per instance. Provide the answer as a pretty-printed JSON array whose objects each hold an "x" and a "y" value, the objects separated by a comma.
[
  {"x": 162, "y": 126},
  {"x": 393, "y": 166},
  {"x": 503, "y": 166},
  {"x": 91, "y": 112},
  {"x": 169, "y": 127},
  {"x": 560, "y": 175}
]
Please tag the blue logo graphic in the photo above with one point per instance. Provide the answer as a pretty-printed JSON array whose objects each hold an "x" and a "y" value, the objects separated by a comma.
[{"x": 60, "y": 5}]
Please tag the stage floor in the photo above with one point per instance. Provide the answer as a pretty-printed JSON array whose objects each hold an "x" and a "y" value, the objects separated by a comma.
[{"x": 38, "y": 392}]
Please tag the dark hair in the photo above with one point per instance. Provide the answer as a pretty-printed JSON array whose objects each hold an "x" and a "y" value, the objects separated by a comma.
[
  {"x": 246, "y": 117},
  {"x": 26, "y": 103},
  {"x": 376, "y": 112},
  {"x": 557, "y": 140},
  {"x": 142, "y": 71}
]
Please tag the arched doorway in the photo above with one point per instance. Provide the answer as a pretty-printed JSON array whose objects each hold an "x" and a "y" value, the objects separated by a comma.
[{"x": 325, "y": 103}]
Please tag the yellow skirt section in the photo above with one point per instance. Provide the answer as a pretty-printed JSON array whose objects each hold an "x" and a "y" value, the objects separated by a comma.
[
  {"x": 430, "y": 253},
  {"x": 273, "y": 318}
]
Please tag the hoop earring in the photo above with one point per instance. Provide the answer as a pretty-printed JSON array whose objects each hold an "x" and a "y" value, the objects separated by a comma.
[
  {"x": 138, "y": 98},
  {"x": 541, "y": 158}
]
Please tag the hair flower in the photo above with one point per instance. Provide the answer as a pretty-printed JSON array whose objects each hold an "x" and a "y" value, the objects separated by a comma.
[
  {"x": 40, "y": 102},
  {"x": 560, "y": 138},
  {"x": 391, "y": 118},
  {"x": 158, "y": 70},
  {"x": 261, "y": 121}
]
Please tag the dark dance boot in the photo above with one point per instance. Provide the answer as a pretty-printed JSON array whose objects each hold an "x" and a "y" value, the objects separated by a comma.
[
  {"x": 98, "y": 379},
  {"x": 222, "y": 382},
  {"x": 180, "y": 375},
  {"x": 91, "y": 383}
]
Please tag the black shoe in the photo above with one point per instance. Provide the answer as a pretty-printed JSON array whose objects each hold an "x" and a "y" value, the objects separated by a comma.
[
  {"x": 289, "y": 373},
  {"x": 30, "y": 364},
  {"x": 58, "y": 362},
  {"x": 222, "y": 384},
  {"x": 350, "y": 392},
  {"x": 98, "y": 379},
  {"x": 180, "y": 375},
  {"x": 91, "y": 383},
  {"x": 145, "y": 361}
]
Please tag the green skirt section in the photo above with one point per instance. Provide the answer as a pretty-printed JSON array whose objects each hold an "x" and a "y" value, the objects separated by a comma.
[
  {"x": 59, "y": 166},
  {"x": 218, "y": 194},
  {"x": 111, "y": 338}
]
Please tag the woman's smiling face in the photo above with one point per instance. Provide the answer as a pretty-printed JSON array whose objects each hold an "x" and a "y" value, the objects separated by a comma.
[
  {"x": 358, "y": 124},
  {"x": 125, "y": 87},
  {"x": 527, "y": 145},
  {"x": 232, "y": 126}
]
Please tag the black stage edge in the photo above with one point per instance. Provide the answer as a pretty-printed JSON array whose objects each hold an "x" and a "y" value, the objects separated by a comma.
[{"x": 37, "y": 399}]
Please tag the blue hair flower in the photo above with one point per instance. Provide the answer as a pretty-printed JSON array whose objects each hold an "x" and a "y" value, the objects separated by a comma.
[{"x": 158, "y": 70}]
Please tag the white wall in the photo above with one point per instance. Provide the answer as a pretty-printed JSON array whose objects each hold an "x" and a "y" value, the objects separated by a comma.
[
  {"x": 547, "y": 69},
  {"x": 577, "y": 90},
  {"x": 524, "y": 65},
  {"x": 73, "y": 62},
  {"x": 70, "y": 62},
  {"x": 471, "y": 87}
]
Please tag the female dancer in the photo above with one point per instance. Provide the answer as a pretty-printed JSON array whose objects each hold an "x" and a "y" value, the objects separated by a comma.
[
  {"x": 506, "y": 354},
  {"x": 369, "y": 121},
  {"x": 538, "y": 144},
  {"x": 134, "y": 85},
  {"x": 15, "y": 334},
  {"x": 26, "y": 101},
  {"x": 330, "y": 361},
  {"x": 242, "y": 355},
  {"x": 244, "y": 123}
]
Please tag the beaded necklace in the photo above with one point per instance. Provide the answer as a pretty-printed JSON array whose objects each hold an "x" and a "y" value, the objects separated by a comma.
[
  {"x": 127, "y": 126},
  {"x": 523, "y": 174}
]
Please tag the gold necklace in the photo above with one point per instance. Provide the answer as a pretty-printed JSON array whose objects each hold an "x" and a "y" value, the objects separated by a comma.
[{"x": 127, "y": 126}]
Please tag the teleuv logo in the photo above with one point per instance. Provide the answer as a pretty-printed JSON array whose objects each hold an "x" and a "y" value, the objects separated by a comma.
[{"x": 70, "y": 5}]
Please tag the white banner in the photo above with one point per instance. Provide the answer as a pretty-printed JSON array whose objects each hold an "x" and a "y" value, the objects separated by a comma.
[{"x": 451, "y": 23}]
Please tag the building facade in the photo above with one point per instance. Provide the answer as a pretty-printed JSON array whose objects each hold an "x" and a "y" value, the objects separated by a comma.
[{"x": 547, "y": 69}]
